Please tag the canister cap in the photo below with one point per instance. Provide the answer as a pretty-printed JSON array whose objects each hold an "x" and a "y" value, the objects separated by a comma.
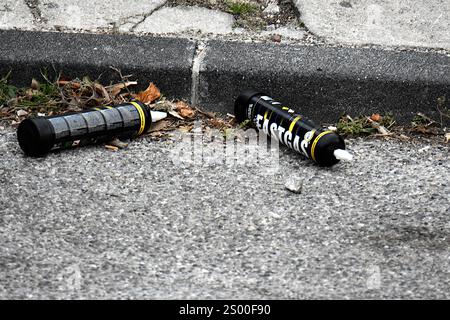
[
  {"x": 241, "y": 103},
  {"x": 36, "y": 136},
  {"x": 325, "y": 148}
]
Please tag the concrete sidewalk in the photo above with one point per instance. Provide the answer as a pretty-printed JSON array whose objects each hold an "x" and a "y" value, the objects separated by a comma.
[{"x": 388, "y": 23}]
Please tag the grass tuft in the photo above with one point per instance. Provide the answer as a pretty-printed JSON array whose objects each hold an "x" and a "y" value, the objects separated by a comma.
[
  {"x": 241, "y": 8},
  {"x": 7, "y": 91},
  {"x": 359, "y": 126}
]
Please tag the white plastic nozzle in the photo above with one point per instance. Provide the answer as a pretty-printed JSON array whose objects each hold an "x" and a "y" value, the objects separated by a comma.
[
  {"x": 341, "y": 154},
  {"x": 157, "y": 115}
]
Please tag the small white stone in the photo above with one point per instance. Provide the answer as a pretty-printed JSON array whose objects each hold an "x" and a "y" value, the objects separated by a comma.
[
  {"x": 332, "y": 128},
  {"x": 272, "y": 8},
  {"x": 21, "y": 113},
  {"x": 294, "y": 184},
  {"x": 274, "y": 215}
]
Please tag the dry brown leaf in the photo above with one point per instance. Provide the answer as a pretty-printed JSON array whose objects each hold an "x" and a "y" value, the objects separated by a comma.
[
  {"x": 35, "y": 84},
  {"x": 181, "y": 105},
  {"x": 115, "y": 89},
  {"x": 62, "y": 82},
  {"x": 184, "y": 110},
  {"x": 161, "y": 126},
  {"x": 216, "y": 123},
  {"x": 375, "y": 117},
  {"x": 149, "y": 95},
  {"x": 187, "y": 113},
  {"x": 117, "y": 143},
  {"x": 102, "y": 91},
  {"x": 73, "y": 85}
]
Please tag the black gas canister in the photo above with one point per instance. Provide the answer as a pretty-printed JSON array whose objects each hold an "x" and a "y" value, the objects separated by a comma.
[
  {"x": 37, "y": 136},
  {"x": 290, "y": 128}
]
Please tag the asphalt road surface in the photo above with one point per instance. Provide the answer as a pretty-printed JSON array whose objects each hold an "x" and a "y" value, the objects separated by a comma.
[{"x": 143, "y": 223}]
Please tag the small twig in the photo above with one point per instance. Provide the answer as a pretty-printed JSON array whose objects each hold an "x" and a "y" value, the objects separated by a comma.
[
  {"x": 424, "y": 117},
  {"x": 124, "y": 84},
  {"x": 48, "y": 81},
  {"x": 442, "y": 115},
  {"x": 390, "y": 126},
  {"x": 390, "y": 134},
  {"x": 205, "y": 113},
  {"x": 381, "y": 129},
  {"x": 123, "y": 78}
]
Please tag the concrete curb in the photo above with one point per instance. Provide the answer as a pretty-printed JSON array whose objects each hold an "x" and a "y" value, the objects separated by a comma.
[
  {"x": 165, "y": 61},
  {"x": 320, "y": 81}
]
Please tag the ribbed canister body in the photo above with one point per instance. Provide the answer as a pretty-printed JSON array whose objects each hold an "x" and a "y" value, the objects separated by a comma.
[{"x": 40, "y": 135}]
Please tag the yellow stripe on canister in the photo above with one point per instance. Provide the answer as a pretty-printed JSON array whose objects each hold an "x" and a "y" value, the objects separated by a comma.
[
  {"x": 291, "y": 127},
  {"x": 141, "y": 115},
  {"x": 313, "y": 147}
]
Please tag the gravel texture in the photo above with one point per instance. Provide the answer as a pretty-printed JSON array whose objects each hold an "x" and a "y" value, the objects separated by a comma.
[{"x": 92, "y": 223}]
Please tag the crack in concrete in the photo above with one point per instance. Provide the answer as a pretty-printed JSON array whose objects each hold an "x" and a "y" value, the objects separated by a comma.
[
  {"x": 129, "y": 20},
  {"x": 33, "y": 5},
  {"x": 145, "y": 16}
]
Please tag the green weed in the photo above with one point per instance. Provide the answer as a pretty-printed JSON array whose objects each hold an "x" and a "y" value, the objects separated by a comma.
[{"x": 241, "y": 8}]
